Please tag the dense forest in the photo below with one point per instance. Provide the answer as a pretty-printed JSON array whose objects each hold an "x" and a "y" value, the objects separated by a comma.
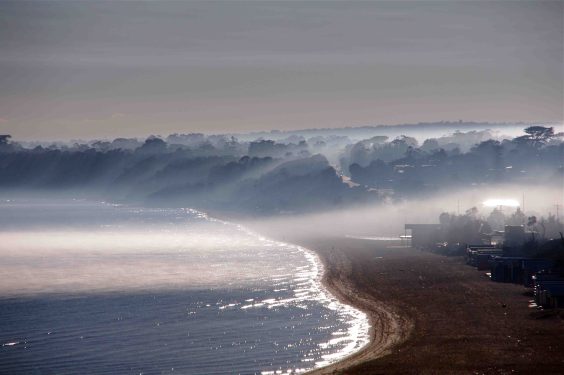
[{"x": 291, "y": 174}]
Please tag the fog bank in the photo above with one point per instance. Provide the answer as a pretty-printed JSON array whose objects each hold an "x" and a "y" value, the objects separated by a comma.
[{"x": 387, "y": 219}]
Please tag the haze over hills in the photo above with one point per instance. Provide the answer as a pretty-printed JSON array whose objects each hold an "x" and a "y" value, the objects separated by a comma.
[
  {"x": 292, "y": 171},
  {"x": 281, "y": 187}
]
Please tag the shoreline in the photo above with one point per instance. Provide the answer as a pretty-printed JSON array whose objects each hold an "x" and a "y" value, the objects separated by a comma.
[
  {"x": 386, "y": 328},
  {"x": 429, "y": 313}
]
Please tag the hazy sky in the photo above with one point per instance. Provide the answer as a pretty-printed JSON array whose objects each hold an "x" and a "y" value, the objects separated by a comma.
[{"x": 106, "y": 69}]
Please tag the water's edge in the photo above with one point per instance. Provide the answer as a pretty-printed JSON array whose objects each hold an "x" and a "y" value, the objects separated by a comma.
[
  {"x": 313, "y": 257},
  {"x": 319, "y": 320}
]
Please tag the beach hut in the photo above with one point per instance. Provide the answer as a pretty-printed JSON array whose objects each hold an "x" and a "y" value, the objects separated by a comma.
[
  {"x": 507, "y": 269},
  {"x": 424, "y": 235},
  {"x": 514, "y": 235},
  {"x": 533, "y": 266},
  {"x": 479, "y": 256},
  {"x": 517, "y": 270},
  {"x": 549, "y": 290}
]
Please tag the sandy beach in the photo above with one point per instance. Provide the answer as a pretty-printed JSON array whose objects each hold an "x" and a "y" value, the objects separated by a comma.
[{"x": 432, "y": 314}]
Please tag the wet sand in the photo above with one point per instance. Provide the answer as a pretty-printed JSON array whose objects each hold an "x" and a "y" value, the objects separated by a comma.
[{"x": 433, "y": 314}]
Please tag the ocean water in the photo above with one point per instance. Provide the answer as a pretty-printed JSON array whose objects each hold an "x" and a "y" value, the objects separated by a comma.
[{"x": 96, "y": 288}]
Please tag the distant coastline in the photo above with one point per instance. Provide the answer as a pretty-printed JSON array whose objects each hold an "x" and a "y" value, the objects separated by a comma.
[{"x": 392, "y": 128}]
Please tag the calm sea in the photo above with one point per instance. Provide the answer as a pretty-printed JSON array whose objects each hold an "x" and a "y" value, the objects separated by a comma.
[{"x": 96, "y": 288}]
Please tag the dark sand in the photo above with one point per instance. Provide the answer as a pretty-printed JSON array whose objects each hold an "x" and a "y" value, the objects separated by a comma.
[{"x": 433, "y": 314}]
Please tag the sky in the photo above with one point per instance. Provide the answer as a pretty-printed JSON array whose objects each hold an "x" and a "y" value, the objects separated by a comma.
[{"x": 95, "y": 69}]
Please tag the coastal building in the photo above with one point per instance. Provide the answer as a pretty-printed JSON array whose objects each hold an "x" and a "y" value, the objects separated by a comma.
[
  {"x": 481, "y": 255},
  {"x": 532, "y": 267},
  {"x": 514, "y": 235},
  {"x": 548, "y": 290},
  {"x": 507, "y": 269},
  {"x": 517, "y": 270},
  {"x": 494, "y": 238},
  {"x": 423, "y": 235}
]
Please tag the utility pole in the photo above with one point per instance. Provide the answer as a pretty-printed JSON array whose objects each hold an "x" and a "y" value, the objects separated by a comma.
[{"x": 523, "y": 207}]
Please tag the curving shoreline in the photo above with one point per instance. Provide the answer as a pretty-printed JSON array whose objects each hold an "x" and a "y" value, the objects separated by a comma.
[
  {"x": 387, "y": 328},
  {"x": 430, "y": 314}
]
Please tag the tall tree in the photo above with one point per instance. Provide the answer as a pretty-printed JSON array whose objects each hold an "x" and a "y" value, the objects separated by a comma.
[{"x": 536, "y": 136}]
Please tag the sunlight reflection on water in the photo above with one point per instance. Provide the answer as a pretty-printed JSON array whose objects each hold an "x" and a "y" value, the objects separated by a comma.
[{"x": 176, "y": 249}]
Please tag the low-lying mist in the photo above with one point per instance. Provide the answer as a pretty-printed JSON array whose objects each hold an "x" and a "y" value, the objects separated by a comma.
[
  {"x": 388, "y": 219},
  {"x": 365, "y": 182},
  {"x": 94, "y": 247},
  {"x": 85, "y": 247}
]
